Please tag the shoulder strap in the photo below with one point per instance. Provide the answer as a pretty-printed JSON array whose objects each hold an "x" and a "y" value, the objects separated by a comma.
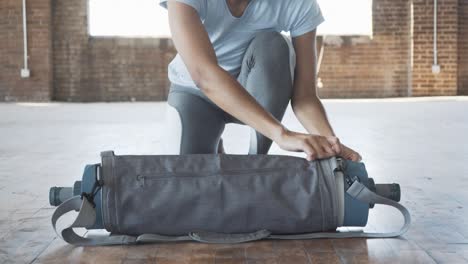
[
  {"x": 87, "y": 216},
  {"x": 360, "y": 192}
]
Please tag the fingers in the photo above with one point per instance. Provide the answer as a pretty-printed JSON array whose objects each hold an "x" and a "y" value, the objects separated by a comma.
[
  {"x": 328, "y": 147},
  {"x": 353, "y": 155},
  {"x": 319, "y": 146},
  {"x": 333, "y": 140},
  {"x": 311, "y": 157},
  {"x": 310, "y": 151},
  {"x": 315, "y": 146},
  {"x": 325, "y": 146},
  {"x": 350, "y": 154},
  {"x": 356, "y": 157},
  {"x": 336, "y": 144}
]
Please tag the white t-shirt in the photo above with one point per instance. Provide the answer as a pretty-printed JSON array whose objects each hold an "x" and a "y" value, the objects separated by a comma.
[{"x": 231, "y": 36}]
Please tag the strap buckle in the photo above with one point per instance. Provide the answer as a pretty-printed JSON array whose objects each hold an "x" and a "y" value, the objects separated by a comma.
[
  {"x": 98, "y": 182},
  {"x": 341, "y": 166}
]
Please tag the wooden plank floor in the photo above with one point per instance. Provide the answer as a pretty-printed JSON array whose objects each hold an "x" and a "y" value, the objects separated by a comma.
[{"x": 419, "y": 143}]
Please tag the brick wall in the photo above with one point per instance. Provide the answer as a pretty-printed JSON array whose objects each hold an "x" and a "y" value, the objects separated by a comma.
[
  {"x": 84, "y": 68},
  {"x": 129, "y": 69},
  {"x": 105, "y": 69},
  {"x": 424, "y": 81},
  {"x": 38, "y": 86},
  {"x": 463, "y": 47},
  {"x": 361, "y": 66},
  {"x": 70, "y": 50}
]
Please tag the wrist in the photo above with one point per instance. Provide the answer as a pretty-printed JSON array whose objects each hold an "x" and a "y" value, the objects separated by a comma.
[{"x": 279, "y": 132}]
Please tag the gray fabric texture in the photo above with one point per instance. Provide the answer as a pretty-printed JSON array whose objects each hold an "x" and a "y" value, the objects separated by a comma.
[{"x": 175, "y": 195}]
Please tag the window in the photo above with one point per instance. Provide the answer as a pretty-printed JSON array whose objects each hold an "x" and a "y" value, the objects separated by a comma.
[
  {"x": 127, "y": 18},
  {"x": 345, "y": 17},
  {"x": 145, "y": 18}
]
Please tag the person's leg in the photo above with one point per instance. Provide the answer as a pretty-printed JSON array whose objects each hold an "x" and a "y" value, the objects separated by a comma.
[
  {"x": 266, "y": 73},
  {"x": 194, "y": 125}
]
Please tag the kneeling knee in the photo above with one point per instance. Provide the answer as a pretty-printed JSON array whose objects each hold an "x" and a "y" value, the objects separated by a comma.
[{"x": 270, "y": 46}]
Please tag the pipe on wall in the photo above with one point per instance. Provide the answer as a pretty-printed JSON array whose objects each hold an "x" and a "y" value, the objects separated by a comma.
[
  {"x": 25, "y": 71},
  {"x": 435, "y": 32},
  {"x": 435, "y": 65},
  {"x": 409, "y": 90}
]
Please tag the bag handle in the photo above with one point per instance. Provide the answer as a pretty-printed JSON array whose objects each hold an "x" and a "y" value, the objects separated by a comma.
[
  {"x": 220, "y": 238},
  {"x": 207, "y": 237}
]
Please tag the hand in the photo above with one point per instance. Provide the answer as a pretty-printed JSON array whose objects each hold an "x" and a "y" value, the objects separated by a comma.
[
  {"x": 315, "y": 146},
  {"x": 348, "y": 153}
]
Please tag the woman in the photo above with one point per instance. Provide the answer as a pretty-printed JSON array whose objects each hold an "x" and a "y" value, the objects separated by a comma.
[{"x": 233, "y": 65}]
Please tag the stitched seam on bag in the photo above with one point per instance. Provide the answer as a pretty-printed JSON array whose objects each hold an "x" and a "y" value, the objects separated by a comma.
[
  {"x": 106, "y": 209},
  {"x": 115, "y": 195},
  {"x": 103, "y": 197},
  {"x": 318, "y": 165},
  {"x": 172, "y": 175},
  {"x": 334, "y": 196}
]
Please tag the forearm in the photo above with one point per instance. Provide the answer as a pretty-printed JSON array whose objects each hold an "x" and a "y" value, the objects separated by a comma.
[
  {"x": 311, "y": 113},
  {"x": 229, "y": 95},
  {"x": 305, "y": 102}
]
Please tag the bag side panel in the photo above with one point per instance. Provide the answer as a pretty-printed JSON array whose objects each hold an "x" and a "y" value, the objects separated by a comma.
[{"x": 175, "y": 195}]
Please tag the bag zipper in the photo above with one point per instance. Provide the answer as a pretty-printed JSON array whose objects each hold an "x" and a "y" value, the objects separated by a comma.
[{"x": 141, "y": 178}]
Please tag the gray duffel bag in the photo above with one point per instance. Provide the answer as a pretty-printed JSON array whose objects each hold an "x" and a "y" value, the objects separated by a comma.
[{"x": 219, "y": 198}]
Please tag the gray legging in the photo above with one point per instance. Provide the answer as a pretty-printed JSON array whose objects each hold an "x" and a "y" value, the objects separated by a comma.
[{"x": 265, "y": 74}]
